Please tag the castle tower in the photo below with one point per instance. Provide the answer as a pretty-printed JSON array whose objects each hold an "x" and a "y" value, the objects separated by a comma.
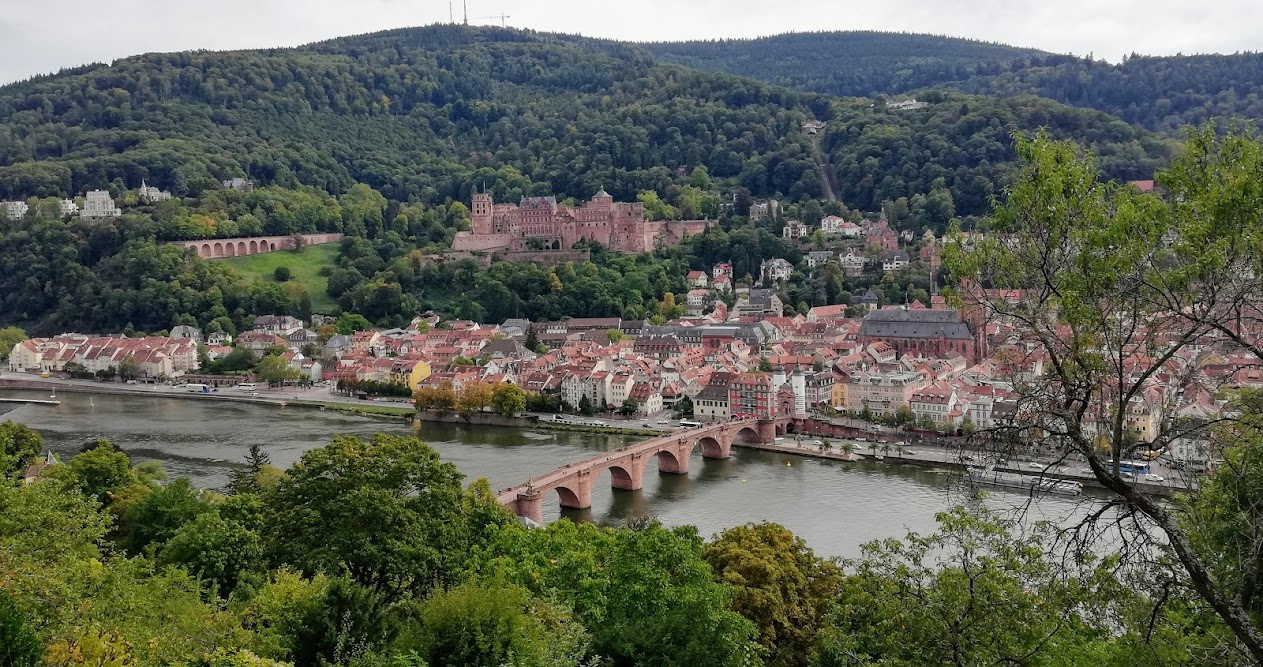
[
  {"x": 798, "y": 381},
  {"x": 480, "y": 214}
]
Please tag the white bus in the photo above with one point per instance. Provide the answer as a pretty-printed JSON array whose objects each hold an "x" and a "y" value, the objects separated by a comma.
[
  {"x": 684, "y": 423},
  {"x": 248, "y": 386}
]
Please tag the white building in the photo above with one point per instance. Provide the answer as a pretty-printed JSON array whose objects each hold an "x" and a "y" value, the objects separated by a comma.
[
  {"x": 894, "y": 261},
  {"x": 852, "y": 263},
  {"x": 152, "y": 194},
  {"x": 817, "y": 258},
  {"x": 68, "y": 207},
  {"x": 794, "y": 230},
  {"x": 764, "y": 210},
  {"x": 99, "y": 205},
  {"x": 906, "y": 105},
  {"x": 775, "y": 270},
  {"x": 14, "y": 210}
]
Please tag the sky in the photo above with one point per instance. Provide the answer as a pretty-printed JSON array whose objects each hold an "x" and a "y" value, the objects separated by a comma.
[{"x": 42, "y": 36}]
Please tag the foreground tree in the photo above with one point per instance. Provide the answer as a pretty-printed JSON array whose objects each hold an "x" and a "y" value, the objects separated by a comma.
[
  {"x": 781, "y": 587},
  {"x": 387, "y": 512},
  {"x": 19, "y": 445},
  {"x": 1123, "y": 294}
]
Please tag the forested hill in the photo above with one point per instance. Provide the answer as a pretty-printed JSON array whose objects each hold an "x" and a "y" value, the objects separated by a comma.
[
  {"x": 1156, "y": 92},
  {"x": 846, "y": 63}
]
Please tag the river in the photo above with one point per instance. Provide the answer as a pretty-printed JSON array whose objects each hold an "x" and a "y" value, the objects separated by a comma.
[{"x": 835, "y": 506}]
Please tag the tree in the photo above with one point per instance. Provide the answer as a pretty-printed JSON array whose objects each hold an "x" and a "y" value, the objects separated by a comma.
[
  {"x": 532, "y": 339},
  {"x": 19, "y": 646},
  {"x": 435, "y": 398},
  {"x": 349, "y": 624},
  {"x": 160, "y": 514},
  {"x": 99, "y": 471},
  {"x": 274, "y": 370},
  {"x": 19, "y": 445},
  {"x": 282, "y": 274},
  {"x": 246, "y": 479},
  {"x": 221, "y": 552},
  {"x": 613, "y": 335},
  {"x": 684, "y": 407},
  {"x": 388, "y": 512},
  {"x": 1116, "y": 285},
  {"x": 493, "y": 625},
  {"x": 10, "y": 336},
  {"x": 128, "y": 368},
  {"x": 780, "y": 586},
  {"x": 349, "y": 323},
  {"x": 629, "y": 407},
  {"x": 636, "y": 590},
  {"x": 971, "y": 594},
  {"x": 508, "y": 399},
  {"x": 765, "y": 366},
  {"x": 473, "y": 397},
  {"x": 585, "y": 406}
]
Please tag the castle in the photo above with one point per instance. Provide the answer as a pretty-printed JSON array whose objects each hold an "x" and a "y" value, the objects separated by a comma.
[{"x": 540, "y": 223}]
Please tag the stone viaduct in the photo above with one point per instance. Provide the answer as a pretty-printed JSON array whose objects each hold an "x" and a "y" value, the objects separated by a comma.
[
  {"x": 211, "y": 248},
  {"x": 574, "y": 481}
]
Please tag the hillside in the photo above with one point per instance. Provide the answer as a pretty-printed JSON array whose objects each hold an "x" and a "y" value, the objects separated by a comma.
[
  {"x": 383, "y": 137},
  {"x": 1159, "y": 93},
  {"x": 843, "y": 63}
]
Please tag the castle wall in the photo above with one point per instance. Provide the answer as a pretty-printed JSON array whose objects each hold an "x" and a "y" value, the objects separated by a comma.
[{"x": 471, "y": 241}]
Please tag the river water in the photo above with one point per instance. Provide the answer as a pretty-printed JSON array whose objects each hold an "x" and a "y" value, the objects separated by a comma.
[{"x": 835, "y": 506}]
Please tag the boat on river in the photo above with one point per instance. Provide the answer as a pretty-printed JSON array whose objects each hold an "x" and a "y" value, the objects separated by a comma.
[{"x": 1017, "y": 480}]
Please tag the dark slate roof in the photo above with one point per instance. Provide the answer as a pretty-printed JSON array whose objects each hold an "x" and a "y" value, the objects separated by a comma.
[
  {"x": 712, "y": 393},
  {"x": 900, "y": 323}
]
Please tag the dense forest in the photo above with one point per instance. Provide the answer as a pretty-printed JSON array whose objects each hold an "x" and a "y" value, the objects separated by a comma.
[
  {"x": 1161, "y": 93},
  {"x": 384, "y": 136},
  {"x": 375, "y": 553}
]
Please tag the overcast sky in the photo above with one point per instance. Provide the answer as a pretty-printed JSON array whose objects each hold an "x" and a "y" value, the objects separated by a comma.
[{"x": 41, "y": 36}]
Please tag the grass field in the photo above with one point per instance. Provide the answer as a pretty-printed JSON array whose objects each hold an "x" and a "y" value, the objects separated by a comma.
[{"x": 305, "y": 267}]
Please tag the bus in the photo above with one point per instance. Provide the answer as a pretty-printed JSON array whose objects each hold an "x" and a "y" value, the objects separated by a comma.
[
  {"x": 197, "y": 388},
  {"x": 1134, "y": 467},
  {"x": 684, "y": 423},
  {"x": 248, "y": 386}
]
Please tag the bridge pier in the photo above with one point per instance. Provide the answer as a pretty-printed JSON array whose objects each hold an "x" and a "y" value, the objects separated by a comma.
[
  {"x": 629, "y": 477},
  {"x": 530, "y": 506}
]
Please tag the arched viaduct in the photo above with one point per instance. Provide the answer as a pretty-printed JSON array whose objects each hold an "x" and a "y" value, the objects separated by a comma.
[
  {"x": 212, "y": 248},
  {"x": 574, "y": 482}
]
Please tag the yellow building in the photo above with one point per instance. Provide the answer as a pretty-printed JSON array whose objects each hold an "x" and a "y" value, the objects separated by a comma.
[
  {"x": 837, "y": 397},
  {"x": 411, "y": 372}
]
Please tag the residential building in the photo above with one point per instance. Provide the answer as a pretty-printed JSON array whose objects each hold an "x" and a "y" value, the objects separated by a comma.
[
  {"x": 817, "y": 258},
  {"x": 763, "y": 210},
  {"x": 648, "y": 398},
  {"x": 794, "y": 230},
  {"x": 697, "y": 279},
  {"x": 278, "y": 325},
  {"x": 818, "y": 387},
  {"x": 711, "y": 404},
  {"x": 721, "y": 269},
  {"x": 852, "y": 264},
  {"x": 185, "y": 331},
  {"x": 238, "y": 184},
  {"x": 759, "y": 302},
  {"x": 831, "y": 225},
  {"x": 775, "y": 271},
  {"x": 99, "y": 205},
  {"x": 14, "y": 210},
  {"x": 881, "y": 392},
  {"x": 68, "y": 207},
  {"x": 151, "y": 195},
  {"x": 893, "y": 261},
  {"x": 938, "y": 403}
]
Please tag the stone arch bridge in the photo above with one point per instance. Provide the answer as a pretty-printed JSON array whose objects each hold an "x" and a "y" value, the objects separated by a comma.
[
  {"x": 212, "y": 248},
  {"x": 574, "y": 482}
]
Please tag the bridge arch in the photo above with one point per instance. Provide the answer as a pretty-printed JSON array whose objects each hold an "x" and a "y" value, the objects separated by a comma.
[
  {"x": 714, "y": 448},
  {"x": 670, "y": 462},
  {"x": 747, "y": 434},
  {"x": 626, "y": 476},
  {"x": 568, "y": 496}
]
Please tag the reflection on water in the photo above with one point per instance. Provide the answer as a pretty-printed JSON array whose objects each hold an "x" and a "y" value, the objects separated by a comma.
[{"x": 835, "y": 506}]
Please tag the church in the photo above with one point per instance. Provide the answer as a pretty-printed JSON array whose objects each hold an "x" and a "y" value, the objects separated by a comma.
[{"x": 540, "y": 223}]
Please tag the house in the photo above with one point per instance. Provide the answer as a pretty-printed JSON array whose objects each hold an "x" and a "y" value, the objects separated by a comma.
[
  {"x": 151, "y": 195},
  {"x": 711, "y": 404},
  {"x": 821, "y": 313},
  {"x": 302, "y": 337},
  {"x": 337, "y": 346},
  {"x": 852, "y": 264},
  {"x": 721, "y": 269},
  {"x": 648, "y": 398},
  {"x": 881, "y": 392},
  {"x": 936, "y": 403},
  {"x": 186, "y": 332},
  {"x": 67, "y": 207},
  {"x": 279, "y": 325},
  {"x": 869, "y": 300},
  {"x": 260, "y": 342},
  {"x": 831, "y": 225},
  {"x": 515, "y": 327},
  {"x": 238, "y": 184},
  {"x": 794, "y": 230},
  {"x": 99, "y": 205},
  {"x": 409, "y": 372},
  {"x": 775, "y": 271},
  {"x": 696, "y": 279},
  {"x": 764, "y": 209},
  {"x": 369, "y": 342},
  {"x": 760, "y": 302},
  {"x": 893, "y": 261},
  {"x": 817, "y": 258},
  {"x": 14, "y": 210},
  {"x": 722, "y": 284}
]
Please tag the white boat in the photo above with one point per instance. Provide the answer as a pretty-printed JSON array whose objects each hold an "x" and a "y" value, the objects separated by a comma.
[{"x": 1020, "y": 481}]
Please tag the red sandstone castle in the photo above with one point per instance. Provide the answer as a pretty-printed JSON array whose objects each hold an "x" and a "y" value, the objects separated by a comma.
[{"x": 540, "y": 223}]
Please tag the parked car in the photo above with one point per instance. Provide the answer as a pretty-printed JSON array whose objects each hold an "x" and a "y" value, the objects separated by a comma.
[
  {"x": 1036, "y": 465},
  {"x": 1151, "y": 477}
]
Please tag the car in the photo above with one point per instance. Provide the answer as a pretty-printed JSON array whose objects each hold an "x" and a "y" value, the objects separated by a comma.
[
  {"x": 910, "y": 452},
  {"x": 1036, "y": 465},
  {"x": 1127, "y": 475},
  {"x": 664, "y": 421},
  {"x": 1151, "y": 477}
]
